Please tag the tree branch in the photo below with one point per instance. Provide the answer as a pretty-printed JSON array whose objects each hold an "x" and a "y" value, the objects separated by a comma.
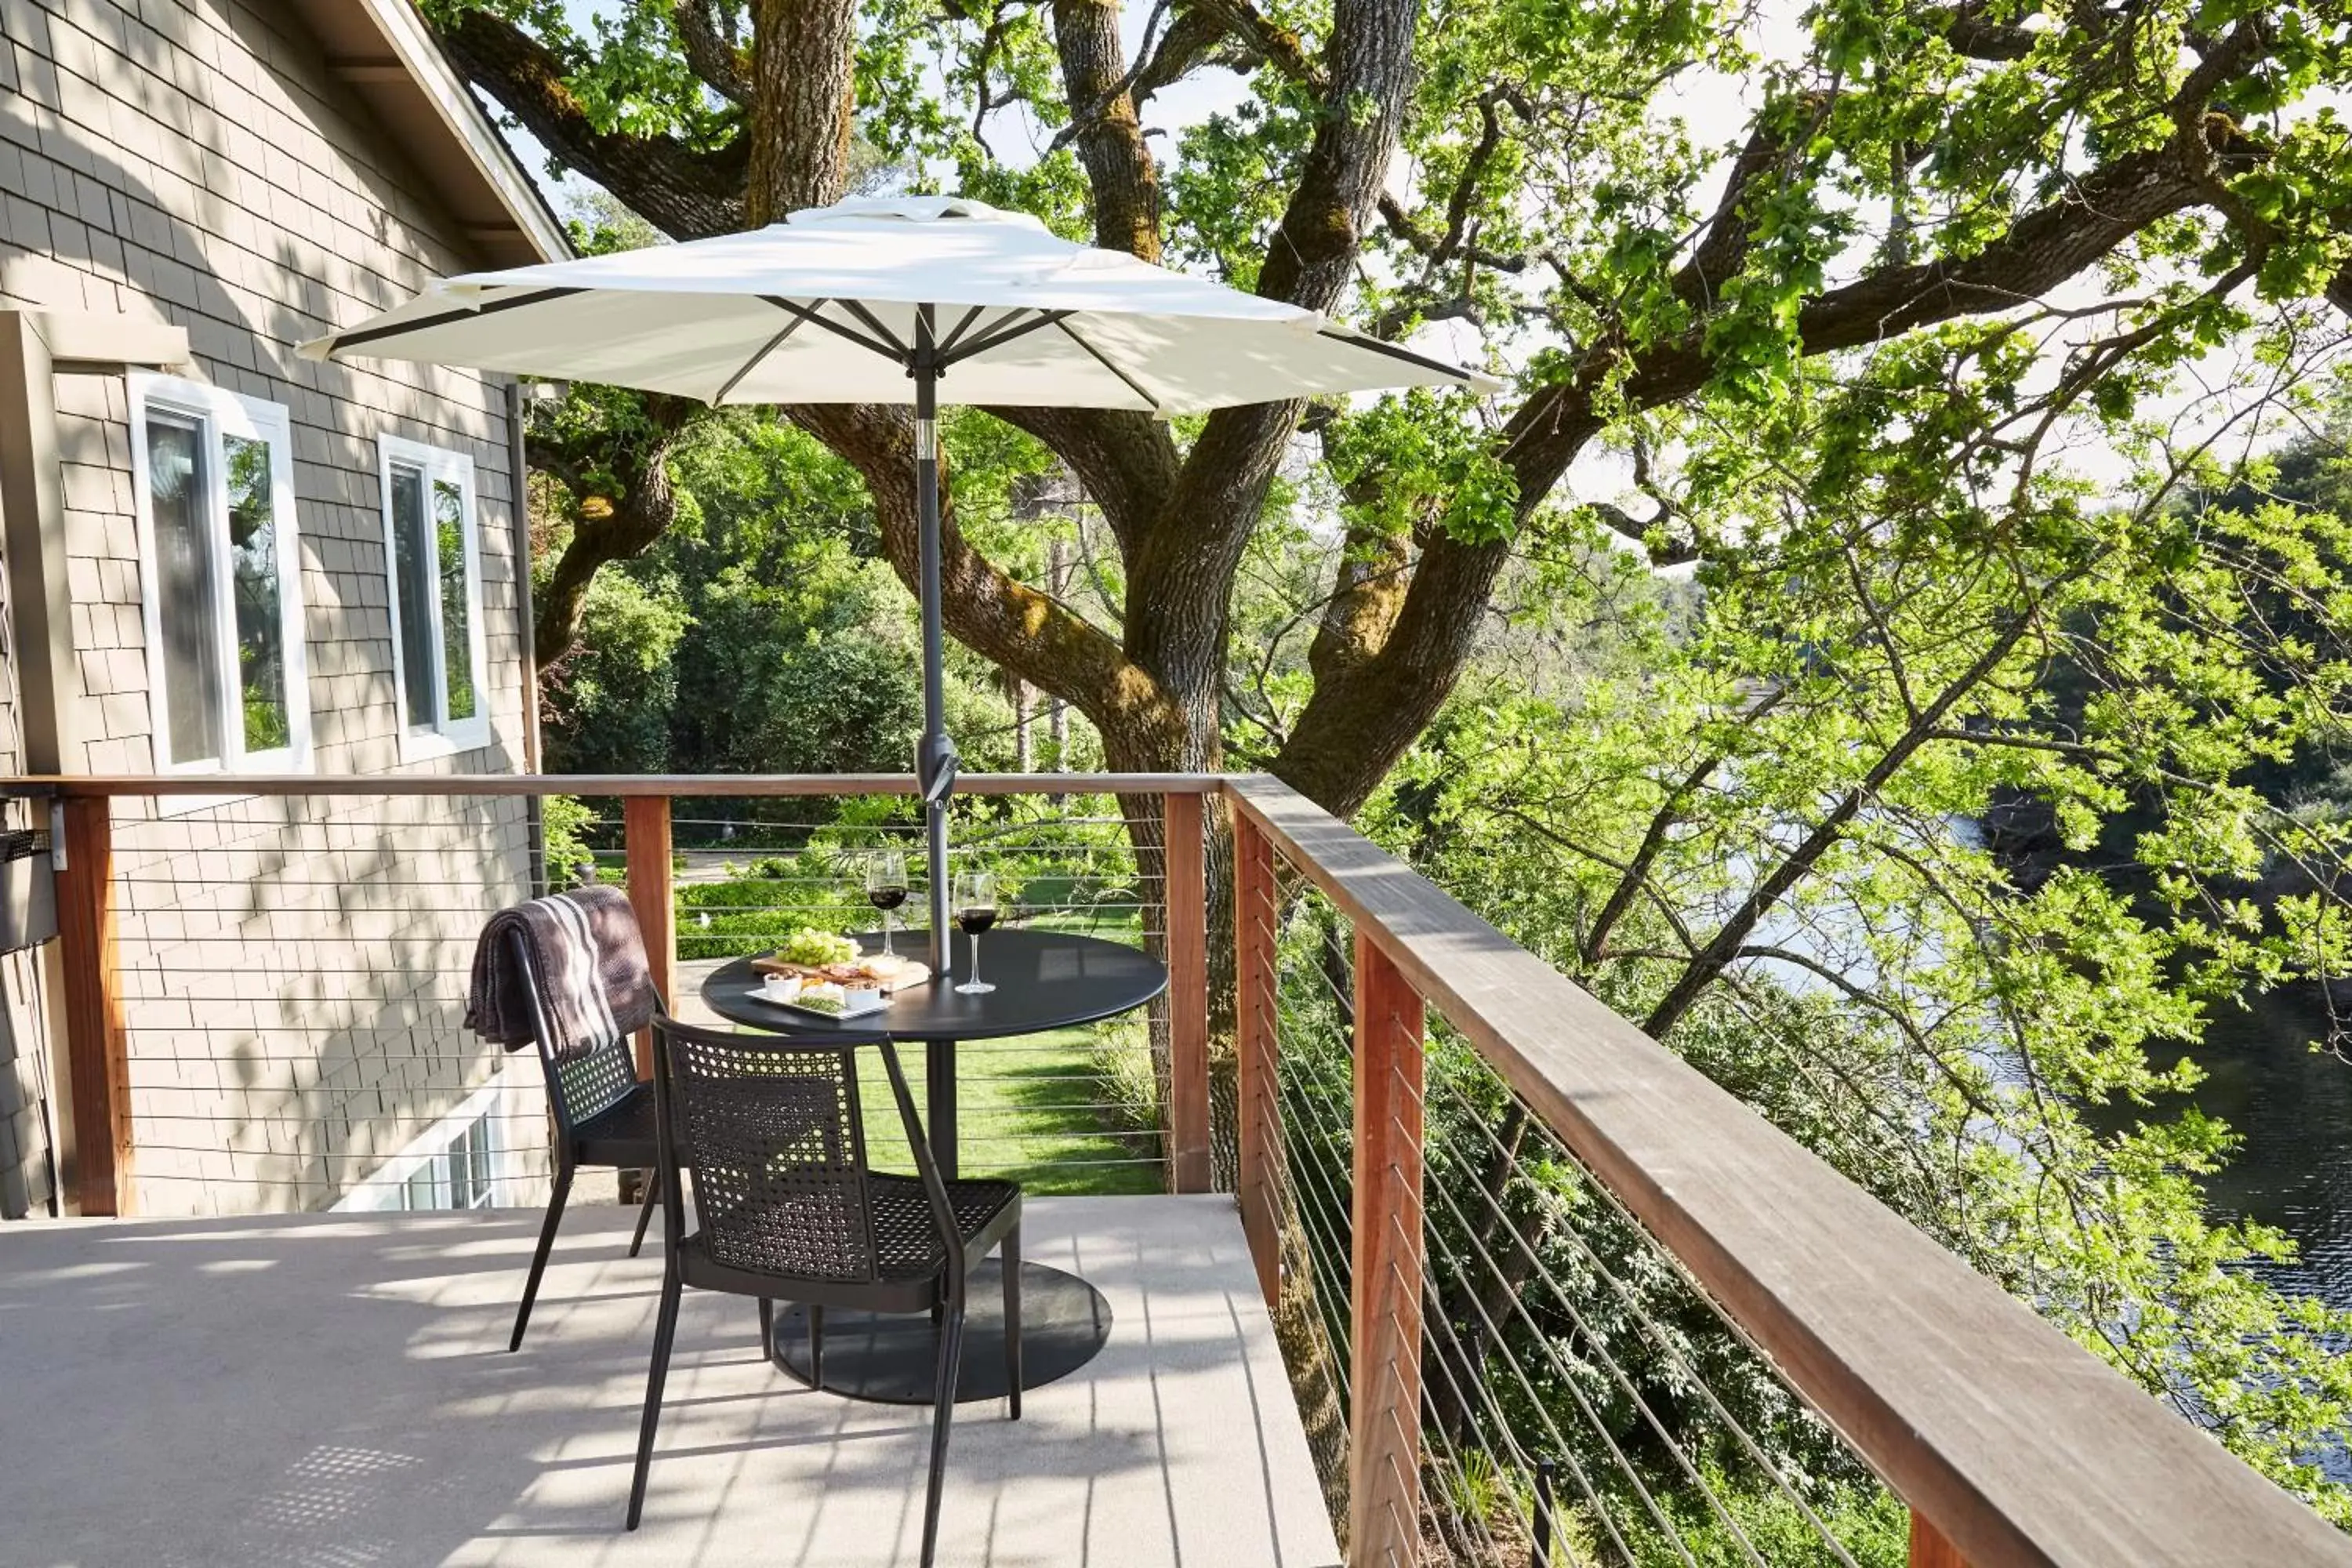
[
  {"x": 1722, "y": 249},
  {"x": 1266, "y": 40},
  {"x": 1197, "y": 38},
  {"x": 711, "y": 53},
  {"x": 1439, "y": 249},
  {"x": 613, "y": 521},
  {"x": 686, "y": 193},
  {"x": 803, "y": 105},
  {"x": 1180, "y": 572},
  {"x": 1127, "y": 461},
  {"x": 1800, "y": 861},
  {"x": 1355, "y": 727},
  {"x": 1028, "y": 633},
  {"x": 1119, "y": 171},
  {"x": 1670, "y": 811},
  {"x": 1970, "y": 32}
]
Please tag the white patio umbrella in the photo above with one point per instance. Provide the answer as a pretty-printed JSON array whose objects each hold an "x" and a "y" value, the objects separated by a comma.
[{"x": 877, "y": 301}]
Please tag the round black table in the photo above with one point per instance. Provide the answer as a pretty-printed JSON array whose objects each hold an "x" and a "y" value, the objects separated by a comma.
[{"x": 1044, "y": 980}]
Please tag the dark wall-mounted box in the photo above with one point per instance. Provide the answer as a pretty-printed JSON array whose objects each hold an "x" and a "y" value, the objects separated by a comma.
[{"x": 28, "y": 890}]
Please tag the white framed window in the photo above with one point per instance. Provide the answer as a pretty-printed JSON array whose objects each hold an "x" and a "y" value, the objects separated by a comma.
[
  {"x": 468, "y": 1159},
  {"x": 459, "y": 1175},
  {"x": 220, "y": 576},
  {"x": 433, "y": 550}
]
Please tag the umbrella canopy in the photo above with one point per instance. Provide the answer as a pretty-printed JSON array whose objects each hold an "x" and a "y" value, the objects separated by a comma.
[
  {"x": 877, "y": 301},
  {"x": 824, "y": 308}
]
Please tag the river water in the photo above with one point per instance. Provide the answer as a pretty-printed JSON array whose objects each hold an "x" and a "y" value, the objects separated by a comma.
[{"x": 2292, "y": 1106}]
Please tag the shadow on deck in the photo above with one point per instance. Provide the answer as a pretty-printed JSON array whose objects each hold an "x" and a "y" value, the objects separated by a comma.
[{"x": 332, "y": 1390}]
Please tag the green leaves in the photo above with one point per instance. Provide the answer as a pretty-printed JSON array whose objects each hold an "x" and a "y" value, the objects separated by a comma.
[
  {"x": 1423, "y": 457},
  {"x": 2090, "y": 730}
]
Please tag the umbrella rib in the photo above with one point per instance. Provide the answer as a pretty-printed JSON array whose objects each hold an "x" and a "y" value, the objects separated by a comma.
[
  {"x": 1005, "y": 331},
  {"x": 857, "y": 309},
  {"x": 956, "y": 335},
  {"x": 1103, "y": 360},
  {"x": 1359, "y": 340},
  {"x": 426, "y": 324},
  {"x": 770, "y": 346},
  {"x": 1008, "y": 326},
  {"x": 809, "y": 313}
]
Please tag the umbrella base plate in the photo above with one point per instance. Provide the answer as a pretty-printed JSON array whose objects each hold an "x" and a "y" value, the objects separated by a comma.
[{"x": 894, "y": 1360}]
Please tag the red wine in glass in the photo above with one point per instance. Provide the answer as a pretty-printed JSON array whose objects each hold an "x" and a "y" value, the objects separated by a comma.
[
  {"x": 975, "y": 911},
  {"x": 886, "y": 887}
]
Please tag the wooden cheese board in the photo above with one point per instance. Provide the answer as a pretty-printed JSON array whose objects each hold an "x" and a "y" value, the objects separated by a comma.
[{"x": 872, "y": 971}]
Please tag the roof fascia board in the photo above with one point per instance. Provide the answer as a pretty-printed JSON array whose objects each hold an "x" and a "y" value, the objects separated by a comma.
[{"x": 403, "y": 30}]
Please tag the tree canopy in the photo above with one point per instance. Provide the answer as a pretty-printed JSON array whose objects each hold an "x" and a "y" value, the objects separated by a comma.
[{"x": 2150, "y": 172}]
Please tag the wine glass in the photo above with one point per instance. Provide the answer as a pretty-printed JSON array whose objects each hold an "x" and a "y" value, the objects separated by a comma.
[
  {"x": 886, "y": 887},
  {"x": 975, "y": 911}
]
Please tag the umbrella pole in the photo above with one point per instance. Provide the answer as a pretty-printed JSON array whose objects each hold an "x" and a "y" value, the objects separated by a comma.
[{"x": 935, "y": 757}]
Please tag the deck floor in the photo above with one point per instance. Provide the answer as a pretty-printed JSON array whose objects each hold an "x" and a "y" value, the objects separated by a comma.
[{"x": 335, "y": 1390}]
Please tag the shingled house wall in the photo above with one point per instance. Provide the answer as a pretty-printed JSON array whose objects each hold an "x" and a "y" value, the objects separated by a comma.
[{"x": 292, "y": 969}]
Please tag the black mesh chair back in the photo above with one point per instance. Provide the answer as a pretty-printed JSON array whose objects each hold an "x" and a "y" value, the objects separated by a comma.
[
  {"x": 787, "y": 1208},
  {"x": 587, "y": 1086},
  {"x": 604, "y": 1117},
  {"x": 778, "y": 1134}
]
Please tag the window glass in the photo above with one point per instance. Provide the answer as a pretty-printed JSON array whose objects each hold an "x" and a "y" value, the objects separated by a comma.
[
  {"x": 431, "y": 542},
  {"x": 456, "y": 637},
  {"x": 180, "y": 499},
  {"x": 461, "y": 1175},
  {"x": 477, "y": 1148},
  {"x": 412, "y": 571},
  {"x": 256, "y": 589}
]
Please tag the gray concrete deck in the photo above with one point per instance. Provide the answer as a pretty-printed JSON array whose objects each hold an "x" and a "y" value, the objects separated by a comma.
[{"x": 333, "y": 1391}]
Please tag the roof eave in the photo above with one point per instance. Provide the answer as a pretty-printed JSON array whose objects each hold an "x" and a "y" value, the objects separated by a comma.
[{"x": 382, "y": 51}]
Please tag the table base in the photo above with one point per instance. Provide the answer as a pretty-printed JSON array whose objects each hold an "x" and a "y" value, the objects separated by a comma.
[{"x": 894, "y": 1360}]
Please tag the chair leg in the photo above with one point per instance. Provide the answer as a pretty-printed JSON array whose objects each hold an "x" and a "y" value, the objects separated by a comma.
[
  {"x": 816, "y": 1346},
  {"x": 1011, "y": 1260},
  {"x": 943, "y": 1413},
  {"x": 644, "y": 1213},
  {"x": 665, "y": 1330},
  {"x": 563, "y": 1189},
  {"x": 767, "y": 1327}
]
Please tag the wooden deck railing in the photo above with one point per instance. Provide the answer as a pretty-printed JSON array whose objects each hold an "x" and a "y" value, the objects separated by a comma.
[{"x": 2009, "y": 1443}]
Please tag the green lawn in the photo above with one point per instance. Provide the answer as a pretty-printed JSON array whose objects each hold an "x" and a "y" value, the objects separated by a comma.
[
  {"x": 1069, "y": 1112},
  {"x": 1044, "y": 1111}
]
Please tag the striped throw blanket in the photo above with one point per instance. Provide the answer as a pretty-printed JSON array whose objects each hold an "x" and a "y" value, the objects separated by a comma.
[{"x": 590, "y": 962}]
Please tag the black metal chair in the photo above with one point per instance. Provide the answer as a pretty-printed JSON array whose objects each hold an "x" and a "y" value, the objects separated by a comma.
[
  {"x": 785, "y": 1209},
  {"x": 604, "y": 1117}
]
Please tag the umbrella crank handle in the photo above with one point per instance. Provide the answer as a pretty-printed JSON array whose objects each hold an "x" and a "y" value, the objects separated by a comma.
[{"x": 935, "y": 767}]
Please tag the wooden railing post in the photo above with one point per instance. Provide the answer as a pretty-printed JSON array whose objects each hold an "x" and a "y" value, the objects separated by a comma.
[
  {"x": 97, "y": 1046},
  {"x": 644, "y": 830},
  {"x": 1929, "y": 1547},
  {"x": 1257, "y": 1042},
  {"x": 1184, "y": 867},
  {"x": 1386, "y": 1262}
]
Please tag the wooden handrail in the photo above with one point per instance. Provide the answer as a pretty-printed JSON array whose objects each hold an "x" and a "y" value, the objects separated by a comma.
[
  {"x": 728, "y": 786},
  {"x": 2012, "y": 1443}
]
